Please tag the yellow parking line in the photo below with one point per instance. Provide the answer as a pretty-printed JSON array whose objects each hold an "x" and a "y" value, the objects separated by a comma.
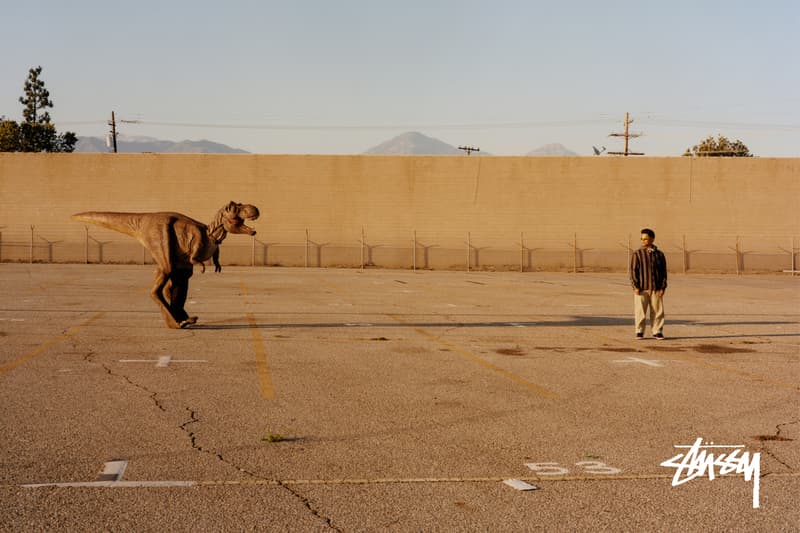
[
  {"x": 541, "y": 391},
  {"x": 264, "y": 379},
  {"x": 533, "y": 387},
  {"x": 8, "y": 367}
]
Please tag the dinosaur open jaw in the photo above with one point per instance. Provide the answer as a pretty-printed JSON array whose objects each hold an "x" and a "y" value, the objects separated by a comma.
[
  {"x": 246, "y": 229},
  {"x": 237, "y": 225}
]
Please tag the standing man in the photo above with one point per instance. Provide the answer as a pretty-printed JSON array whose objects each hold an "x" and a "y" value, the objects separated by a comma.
[{"x": 649, "y": 281}]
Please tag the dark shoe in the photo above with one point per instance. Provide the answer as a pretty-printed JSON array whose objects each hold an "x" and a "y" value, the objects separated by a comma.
[
  {"x": 659, "y": 336},
  {"x": 640, "y": 335}
]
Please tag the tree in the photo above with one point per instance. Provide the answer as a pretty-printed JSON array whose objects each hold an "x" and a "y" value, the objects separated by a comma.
[
  {"x": 719, "y": 147},
  {"x": 36, "y": 99},
  {"x": 36, "y": 133},
  {"x": 9, "y": 135}
]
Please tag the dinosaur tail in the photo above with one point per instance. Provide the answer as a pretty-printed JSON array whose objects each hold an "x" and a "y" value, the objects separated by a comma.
[{"x": 127, "y": 223}]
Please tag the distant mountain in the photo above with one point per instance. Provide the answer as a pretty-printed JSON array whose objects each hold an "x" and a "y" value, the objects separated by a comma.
[
  {"x": 126, "y": 144},
  {"x": 414, "y": 143},
  {"x": 553, "y": 149}
]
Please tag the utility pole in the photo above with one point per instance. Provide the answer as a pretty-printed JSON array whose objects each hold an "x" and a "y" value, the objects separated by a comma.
[
  {"x": 469, "y": 149},
  {"x": 627, "y": 136},
  {"x": 113, "y": 124}
]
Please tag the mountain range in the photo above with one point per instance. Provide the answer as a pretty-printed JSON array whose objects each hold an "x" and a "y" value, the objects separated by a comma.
[
  {"x": 415, "y": 143},
  {"x": 409, "y": 143},
  {"x": 553, "y": 149},
  {"x": 131, "y": 144}
]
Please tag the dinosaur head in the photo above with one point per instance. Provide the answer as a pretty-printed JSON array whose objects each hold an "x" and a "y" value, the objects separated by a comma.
[{"x": 236, "y": 214}]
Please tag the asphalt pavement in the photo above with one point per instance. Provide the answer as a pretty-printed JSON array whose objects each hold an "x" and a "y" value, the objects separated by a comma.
[{"x": 393, "y": 400}]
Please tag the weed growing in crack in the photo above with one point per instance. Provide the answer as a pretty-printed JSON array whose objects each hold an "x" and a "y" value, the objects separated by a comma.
[{"x": 273, "y": 437}]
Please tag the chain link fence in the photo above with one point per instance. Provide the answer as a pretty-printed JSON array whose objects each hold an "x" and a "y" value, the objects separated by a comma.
[{"x": 575, "y": 252}]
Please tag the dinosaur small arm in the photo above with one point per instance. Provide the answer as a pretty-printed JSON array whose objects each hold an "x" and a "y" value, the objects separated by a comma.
[{"x": 177, "y": 243}]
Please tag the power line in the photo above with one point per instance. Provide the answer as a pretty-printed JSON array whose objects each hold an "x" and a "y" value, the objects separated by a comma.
[
  {"x": 719, "y": 124},
  {"x": 466, "y": 125},
  {"x": 324, "y": 127}
]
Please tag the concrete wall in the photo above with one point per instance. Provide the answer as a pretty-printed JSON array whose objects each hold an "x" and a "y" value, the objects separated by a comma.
[{"x": 570, "y": 211}]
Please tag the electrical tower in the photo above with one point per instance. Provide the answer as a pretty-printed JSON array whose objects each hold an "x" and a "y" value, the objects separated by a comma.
[{"x": 627, "y": 135}]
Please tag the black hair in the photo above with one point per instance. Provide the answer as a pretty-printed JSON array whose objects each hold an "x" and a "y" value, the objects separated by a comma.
[{"x": 649, "y": 232}]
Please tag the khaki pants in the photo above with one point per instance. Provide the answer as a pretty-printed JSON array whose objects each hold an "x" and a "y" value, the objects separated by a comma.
[{"x": 654, "y": 303}]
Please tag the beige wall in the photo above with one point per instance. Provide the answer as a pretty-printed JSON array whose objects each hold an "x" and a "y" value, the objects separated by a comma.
[{"x": 550, "y": 200}]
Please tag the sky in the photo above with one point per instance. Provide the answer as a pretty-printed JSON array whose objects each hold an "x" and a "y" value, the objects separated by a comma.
[{"x": 338, "y": 77}]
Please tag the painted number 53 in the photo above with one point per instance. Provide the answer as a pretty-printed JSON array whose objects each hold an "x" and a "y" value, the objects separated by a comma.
[{"x": 588, "y": 467}]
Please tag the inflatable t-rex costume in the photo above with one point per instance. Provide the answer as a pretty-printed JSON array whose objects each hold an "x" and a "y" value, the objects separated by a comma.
[{"x": 176, "y": 243}]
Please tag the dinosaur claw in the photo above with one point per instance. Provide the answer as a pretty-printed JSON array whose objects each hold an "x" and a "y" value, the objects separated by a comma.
[{"x": 188, "y": 322}]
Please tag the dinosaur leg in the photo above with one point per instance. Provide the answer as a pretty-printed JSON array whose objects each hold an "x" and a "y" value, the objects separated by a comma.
[
  {"x": 160, "y": 241},
  {"x": 160, "y": 282},
  {"x": 215, "y": 257},
  {"x": 179, "y": 290}
]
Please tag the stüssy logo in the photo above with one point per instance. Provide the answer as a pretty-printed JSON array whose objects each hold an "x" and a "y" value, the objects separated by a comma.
[{"x": 701, "y": 459}]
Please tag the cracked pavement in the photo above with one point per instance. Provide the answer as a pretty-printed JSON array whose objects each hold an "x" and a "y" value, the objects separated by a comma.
[{"x": 347, "y": 400}]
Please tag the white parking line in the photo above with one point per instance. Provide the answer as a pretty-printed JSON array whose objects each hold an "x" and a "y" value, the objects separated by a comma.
[
  {"x": 115, "y": 484},
  {"x": 163, "y": 361},
  {"x": 111, "y": 477},
  {"x": 364, "y": 481},
  {"x": 648, "y": 362}
]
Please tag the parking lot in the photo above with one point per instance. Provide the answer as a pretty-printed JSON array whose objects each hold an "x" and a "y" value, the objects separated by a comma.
[{"x": 342, "y": 399}]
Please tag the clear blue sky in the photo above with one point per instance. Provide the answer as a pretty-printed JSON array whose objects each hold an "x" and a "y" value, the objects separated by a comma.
[{"x": 324, "y": 76}]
